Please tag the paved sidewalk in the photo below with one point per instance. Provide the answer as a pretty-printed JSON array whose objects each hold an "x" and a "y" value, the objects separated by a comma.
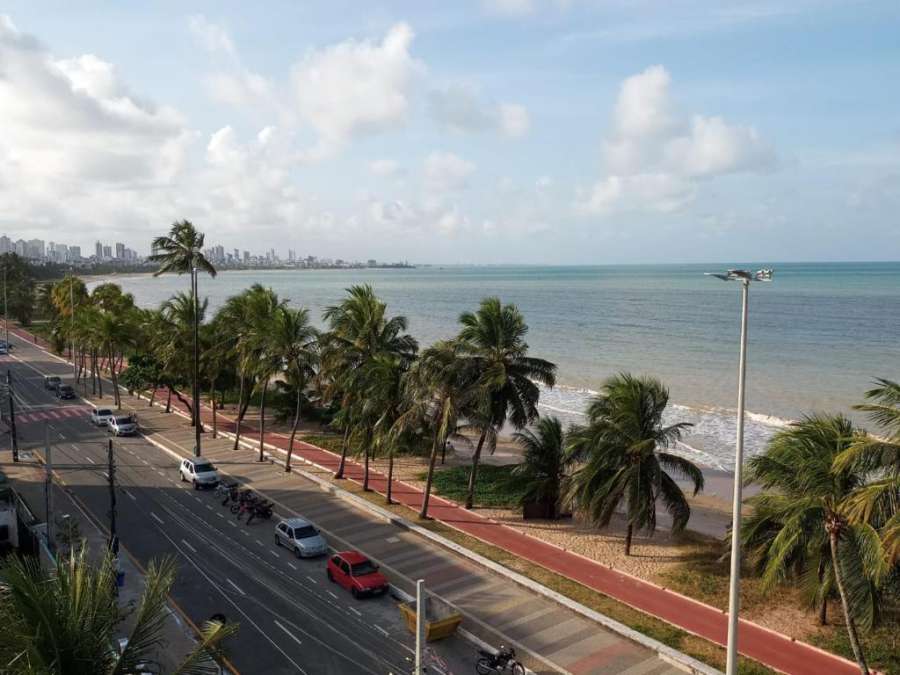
[{"x": 772, "y": 649}]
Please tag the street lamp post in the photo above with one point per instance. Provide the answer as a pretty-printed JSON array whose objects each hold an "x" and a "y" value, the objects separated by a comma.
[
  {"x": 745, "y": 277},
  {"x": 196, "y": 387}
]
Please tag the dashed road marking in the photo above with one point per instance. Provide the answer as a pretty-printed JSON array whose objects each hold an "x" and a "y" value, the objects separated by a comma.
[
  {"x": 292, "y": 566},
  {"x": 232, "y": 523},
  {"x": 220, "y": 515},
  {"x": 89, "y": 459},
  {"x": 311, "y": 579},
  {"x": 332, "y": 595},
  {"x": 156, "y": 518},
  {"x": 131, "y": 496},
  {"x": 235, "y": 586},
  {"x": 274, "y": 552},
  {"x": 355, "y": 611},
  {"x": 392, "y": 540},
  {"x": 381, "y": 630},
  {"x": 188, "y": 545},
  {"x": 296, "y": 639},
  {"x": 259, "y": 542}
]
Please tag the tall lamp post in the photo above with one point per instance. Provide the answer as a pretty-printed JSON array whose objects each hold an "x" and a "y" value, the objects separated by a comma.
[{"x": 734, "y": 581}]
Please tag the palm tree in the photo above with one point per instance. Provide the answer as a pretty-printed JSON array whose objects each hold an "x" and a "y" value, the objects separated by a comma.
[
  {"x": 66, "y": 621},
  {"x": 800, "y": 525},
  {"x": 235, "y": 314},
  {"x": 359, "y": 331},
  {"x": 181, "y": 251},
  {"x": 263, "y": 310},
  {"x": 438, "y": 387},
  {"x": 622, "y": 451},
  {"x": 181, "y": 313},
  {"x": 493, "y": 338},
  {"x": 295, "y": 342},
  {"x": 543, "y": 466}
]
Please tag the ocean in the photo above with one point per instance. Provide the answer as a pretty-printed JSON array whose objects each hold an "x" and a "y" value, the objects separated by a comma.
[{"x": 819, "y": 332}]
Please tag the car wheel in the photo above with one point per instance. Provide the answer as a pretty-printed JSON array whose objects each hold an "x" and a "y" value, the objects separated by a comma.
[
  {"x": 297, "y": 552},
  {"x": 183, "y": 479},
  {"x": 196, "y": 485},
  {"x": 354, "y": 593},
  {"x": 329, "y": 575},
  {"x": 277, "y": 541}
]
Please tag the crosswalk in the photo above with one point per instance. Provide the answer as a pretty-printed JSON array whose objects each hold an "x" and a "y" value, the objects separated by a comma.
[{"x": 61, "y": 413}]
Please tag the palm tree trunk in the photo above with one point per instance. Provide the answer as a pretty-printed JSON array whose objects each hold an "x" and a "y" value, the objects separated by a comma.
[
  {"x": 839, "y": 581},
  {"x": 99, "y": 377},
  {"x": 262, "y": 420},
  {"x": 390, "y": 476},
  {"x": 346, "y": 442},
  {"x": 366, "y": 443},
  {"x": 823, "y": 612},
  {"x": 423, "y": 513},
  {"x": 115, "y": 381},
  {"x": 628, "y": 534},
  {"x": 169, "y": 400},
  {"x": 240, "y": 417},
  {"x": 290, "y": 452},
  {"x": 473, "y": 474},
  {"x": 153, "y": 392},
  {"x": 212, "y": 398}
]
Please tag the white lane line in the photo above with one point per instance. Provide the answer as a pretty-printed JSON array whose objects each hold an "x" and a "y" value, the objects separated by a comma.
[
  {"x": 89, "y": 459},
  {"x": 274, "y": 552},
  {"x": 311, "y": 579},
  {"x": 105, "y": 475},
  {"x": 156, "y": 518},
  {"x": 198, "y": 499},
  {"x": 381, "y": 630},
  {"x": 245, "y": 533},
  {"x": 188, "y": 545},
  {"x": 131, "y": 496},
  {"x": 332, "y": 595},
  {"x": 259, "y": 542},
  {"x": 355, "y": 611},
  {"x": 209, "y": 507},
  {"x": 292, "y": 566},
  {"x": 235, "y": 586},
  {"x": 220, "y": 515},
  {"x": 232, "y": 523},
  {"x": 296, "y": 639}
]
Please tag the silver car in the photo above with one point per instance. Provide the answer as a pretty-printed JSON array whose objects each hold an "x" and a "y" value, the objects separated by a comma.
[
  {"x": 301, "y": 537},
  {"x": 122, "y": 425},
  {"x": 199, "y": 471}
]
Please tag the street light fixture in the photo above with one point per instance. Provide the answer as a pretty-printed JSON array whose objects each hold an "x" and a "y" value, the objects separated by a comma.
[{"x": 745, "y": 277}]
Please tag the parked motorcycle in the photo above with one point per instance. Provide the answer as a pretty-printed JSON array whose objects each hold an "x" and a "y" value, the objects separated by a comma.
[
  {"x": 504, "y": 661},
  {"x": 261, "y": 511}
]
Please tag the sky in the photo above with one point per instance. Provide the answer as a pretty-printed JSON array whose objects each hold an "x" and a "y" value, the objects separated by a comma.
[{"x": 491, "y": 131}]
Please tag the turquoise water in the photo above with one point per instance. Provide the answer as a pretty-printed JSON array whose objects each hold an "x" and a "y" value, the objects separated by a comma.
[{"x": 819, "y": 333}]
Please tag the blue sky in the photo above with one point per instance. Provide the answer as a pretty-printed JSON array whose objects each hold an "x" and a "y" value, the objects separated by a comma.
[{"x": 501, "y": 131}]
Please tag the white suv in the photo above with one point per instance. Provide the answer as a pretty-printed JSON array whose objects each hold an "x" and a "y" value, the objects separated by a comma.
[
  {"x": 199, "y": 471},
  {"x": 122, "y": 425},
  {"x": 101, "y": 416}
]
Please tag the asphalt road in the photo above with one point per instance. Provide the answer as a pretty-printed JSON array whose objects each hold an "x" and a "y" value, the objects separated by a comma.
[{"x": 292, "y": 620}]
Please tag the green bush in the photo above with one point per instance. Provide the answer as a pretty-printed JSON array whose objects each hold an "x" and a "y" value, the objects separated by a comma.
[{"x": 497, "y": 487}]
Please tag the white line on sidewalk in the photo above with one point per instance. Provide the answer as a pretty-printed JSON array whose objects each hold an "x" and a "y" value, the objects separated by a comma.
[
  {"x": 156, "y": 518},
  {"x": 89, "y": 459},
  {"x": 188, "y": 545},
  {"x": 296, "y": 639},
  {"x": 235, "y": 586}
]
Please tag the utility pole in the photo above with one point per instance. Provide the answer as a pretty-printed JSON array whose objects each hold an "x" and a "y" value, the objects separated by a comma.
[
  {"x": 5, "y": 307},
  {"x": 111, "y": 472},
  {"x": 14, "y": 439},
  {"x": 48, "y": 486},
  {"x": 72, "y": 328},
  {"x": 196, "y": 387},
  {"x": 420, "y": 626}
]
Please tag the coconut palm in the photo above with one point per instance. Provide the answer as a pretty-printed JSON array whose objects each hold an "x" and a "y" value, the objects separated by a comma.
[
  {"x": 437, "y": 388},
  {"x": 623, "y": 457},
  {"x": 66, "y": 622},
  {"x": 543, "y": 466},
  {"x": 181, "y": 251},
  {"x": 359, "y": 331},
  {"x": 180, "y": 313},
  {"x": 295, "y": 342},
  {"x": 800, "y": 525},
  {"x": 235, "y": 314},
  {"x": 493, "y": 338}
]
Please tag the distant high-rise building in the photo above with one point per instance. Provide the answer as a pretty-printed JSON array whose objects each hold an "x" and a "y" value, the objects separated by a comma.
[
  {"x": 21, "y": 247},
  {"x": 107, "y": 252},
  {"x": 246, "y": 259},
  {"x": 237, "y": 255},
  {"x": 6, "y": 244},
  {"x": 372, "y": 262},
  {"x": 35, "y": 249},
  {"x": 74, "y": 254},
  {"x": 98, "y": 250},
  {"x": 120, "y": 251}
]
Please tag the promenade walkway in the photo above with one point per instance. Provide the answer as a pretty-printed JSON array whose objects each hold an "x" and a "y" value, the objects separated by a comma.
[{"x": 772, "y": 649}]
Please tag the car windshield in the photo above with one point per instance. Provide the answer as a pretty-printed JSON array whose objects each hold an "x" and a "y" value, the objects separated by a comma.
[
  {"x": 363, "y": 568},
  {"x": 203, "y": 467},
  {"x": 104, "y": 413},
  {"x": 305, "y": 532},
  {"x": 66, "y": 388},
  {"x": 123, "y": 420}
]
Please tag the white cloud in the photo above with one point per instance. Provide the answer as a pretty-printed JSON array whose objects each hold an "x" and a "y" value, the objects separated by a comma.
[
  {"x": 460, "y": 108},
  {"x": 509, "y": 7},
  {"x": 356, "y": 87},
  {"x": 385, "y": 168},
  {"x": 212, "y": 36},
  {"x": 445, "y": 171},
  {"x": 655, "y": 156}
]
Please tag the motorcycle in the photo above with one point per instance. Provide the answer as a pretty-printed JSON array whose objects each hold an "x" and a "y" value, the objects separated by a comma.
[
  {"x": 504, "y": 661},
  {"x": 241, "y": 499},
  {"x": 261, "y": 511},
  {"x": 226, "y": 492}
]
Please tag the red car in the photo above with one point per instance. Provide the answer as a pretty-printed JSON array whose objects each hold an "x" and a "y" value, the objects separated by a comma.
[{"x": 358, "y": 574}]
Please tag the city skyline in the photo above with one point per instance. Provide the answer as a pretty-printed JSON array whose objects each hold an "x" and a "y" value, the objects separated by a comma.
[{"x": 485, "y": 132}]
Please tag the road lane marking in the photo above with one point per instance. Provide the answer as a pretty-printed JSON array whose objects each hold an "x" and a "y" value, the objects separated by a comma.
[
  {"x": 235, "y": 586},
  {"x": 311, "y": 579},
  {"x": 232, "y": 523},
  {"x": 355, "y": 611},
  {"x": 188, "y": 545},
  {"x": 156, "y": 518},
  {"x": 292, "y": 566},
  {"x": 220, "y": 515},
  {"x": 198, "y": 499},
  {"x": 89, "y": 459},
  {"x": 274, "y": 552},
  {"x": 131, "y": 496},
  {"x": 332, "y": 595},
  {"x": 381, "y": 630},
  {"x": 296, "y": 639}
]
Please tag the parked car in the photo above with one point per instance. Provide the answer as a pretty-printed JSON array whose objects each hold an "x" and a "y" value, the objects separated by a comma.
[
  {"x": 52, "y": 382},
  {"x": 199, "y": 471},
  {"x": 65, "y": 392},
  {"x": 101, "y": 416},
  {"x": 301, "y": 537},
  {"x": 4, "y": 348},
  {"x": 122, "y": 425},
  {"x": 355, "y": 572}
]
